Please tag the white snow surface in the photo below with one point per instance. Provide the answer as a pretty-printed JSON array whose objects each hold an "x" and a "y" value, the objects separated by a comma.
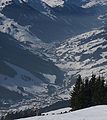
[
  {"x": 92, "y": 3},
  {"x": 92, "y": 113},
  {"x": 51, "y": 78},
  {"x": 89, "y": 3},
  {"x": 83, "y": 54},
  {"x": 39, "y": 5},
  {"x": 53, "y": 3}
]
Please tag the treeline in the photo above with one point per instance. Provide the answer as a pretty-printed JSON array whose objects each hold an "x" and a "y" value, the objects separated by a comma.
[
  {"x": 12, "y": 115},
  {"x": 89, "y": 92}
]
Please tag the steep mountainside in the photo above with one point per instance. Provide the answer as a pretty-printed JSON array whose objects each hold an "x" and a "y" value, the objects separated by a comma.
[
  {"x": 35, "y": 32},
  {"x": 84, "y": 54},
  {"x": 25, "y": 72},
  {"x": 51, "y": 24}
]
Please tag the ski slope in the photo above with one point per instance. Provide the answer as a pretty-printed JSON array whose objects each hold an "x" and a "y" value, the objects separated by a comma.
[{"x": 93, "y": 113}]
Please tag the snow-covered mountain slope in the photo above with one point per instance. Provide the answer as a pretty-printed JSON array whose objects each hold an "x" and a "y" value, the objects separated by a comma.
[
  {"x": 91, "y": 3},
  {"x": 38, "y": 24},
  {"x": 84, "y": 3},
  {"x": 27, "y": 73},
  {"x": 35, "y": 19},
  {"x": 54, "y": 3},
  {"x": 93, "y": 113},
  {"x": 28, "y": 29},
  {"x": 18, "y": 21},
  {"x": 87, "y": 3},
  {"x": 61, "y": 22},
  {"x": 17, "y": 31},
  {"x": 84, "y": 54},
  {"x": 36, "y": 4}
]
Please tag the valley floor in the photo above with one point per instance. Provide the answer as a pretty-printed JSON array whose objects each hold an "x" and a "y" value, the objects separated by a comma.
[{"x": 92, "y": 113}]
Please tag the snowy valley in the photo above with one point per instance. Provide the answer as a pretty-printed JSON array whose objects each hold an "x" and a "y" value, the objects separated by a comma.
[{"x": 44, "y": 44}]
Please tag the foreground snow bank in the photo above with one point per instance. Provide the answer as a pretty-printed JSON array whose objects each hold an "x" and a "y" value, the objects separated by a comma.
[{"x": 93, "y": 113}]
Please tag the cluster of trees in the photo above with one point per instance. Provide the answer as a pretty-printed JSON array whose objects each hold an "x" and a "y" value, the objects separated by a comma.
[
  {"x": 89, "y": 92},
  {"x": 12, "y": 115}
]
